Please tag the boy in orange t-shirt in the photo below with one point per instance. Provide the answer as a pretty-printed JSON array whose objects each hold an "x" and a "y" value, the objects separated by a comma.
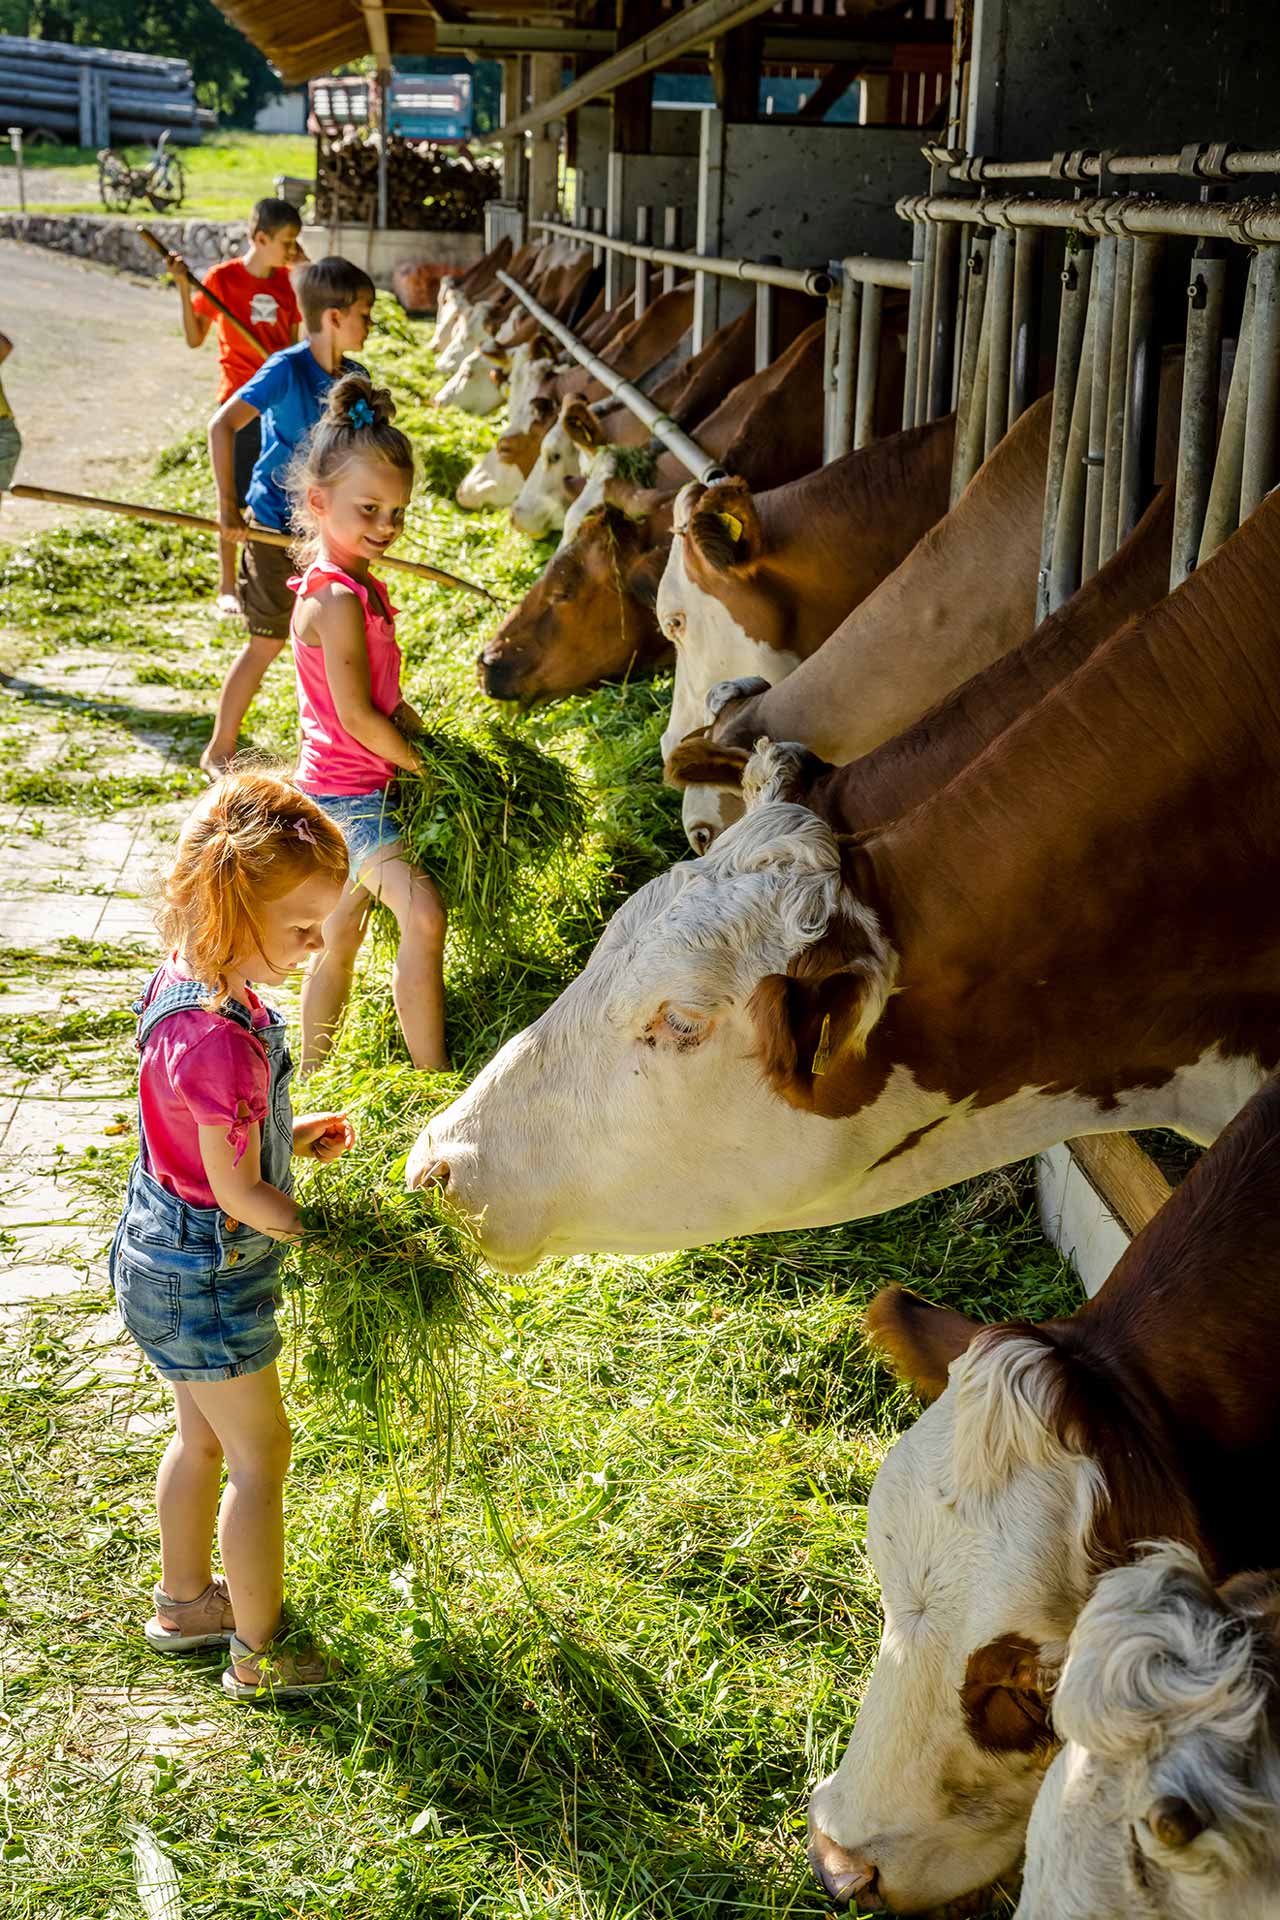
[{"x": 258, "y": 290}]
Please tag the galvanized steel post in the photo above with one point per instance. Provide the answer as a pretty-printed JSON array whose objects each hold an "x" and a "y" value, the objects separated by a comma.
[
  {"x": 1102, "y": 300},
  {"x": 864, "y": 403},
  {"x": 946, "y": 271},
  {"x": 844, "y": 313},
  {"x": 1258, "y": 472},
  {"x": 1117, "y": 378},
  {"x": 1199, "y": 423},
  {"x": 1077, "y": 280},
  {"x": 1000, "y": 304},
  {"x": 914, "y": 310},
  {"x": 1222, "y": 514},
  {"x": 1025, "y": 332},
  {"x": 970, "y": 416},
  {"x": 1068, "y": 527},
  {"x": 671, "y": 241},
  {"x": 644, "y": 222},
  {"x": 765, "y": 315},
  {"x": 1142, "y": 389}
]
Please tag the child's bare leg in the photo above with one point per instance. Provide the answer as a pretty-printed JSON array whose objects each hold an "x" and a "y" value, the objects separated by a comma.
[
  {"x": 417, "y": 982},
  {"x": 187, "y": 1488},
  {"x": 248, "y": 1416},
  {"x": 226, "y": 568},
  {"x": 327, "y": 986},
  {"x": 238, "y": 689}
]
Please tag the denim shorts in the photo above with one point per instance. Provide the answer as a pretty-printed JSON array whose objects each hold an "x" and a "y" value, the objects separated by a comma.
[
  {"x": 370, "y": 823},
  {"x": 198, "y": 1294}
]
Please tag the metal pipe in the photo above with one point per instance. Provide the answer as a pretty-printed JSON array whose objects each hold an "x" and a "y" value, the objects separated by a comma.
[
  {"x": 1199, "y": 422},
  {"x": 1141, "y": 392},
  {"x": 1025, "y": 329},
  {"x": 671, "y": 218},
  {"x": 644, "y": 222},
  {"x": 765, "y": 316},
  {"x": 1254, "y": 160},
  {"x": 813, "y": 280},
  {"x": 661, "y": 426},
  {"x": 1258, "y": 472},
  {"x": 1102, "y": 299},
  {"x": 844, "y": 318},
  {"x": 864, "y": 402},
  {"x": 1222, "y": 514},
  {"x": 1000, "y": 303},
  {"x": 924, "y": 334},
  {"x": 915, "y": 309},
  {"x": 977, "y": 329},
  {"x": 874, "y": 272},
  {"x": 1068, "y": 530},
  {"x": 1249, "y": 223},
  {"x": 1077, "y": 278},
  {"x": 946, "y": 272},
  {"x": 1117, "y": 377}
]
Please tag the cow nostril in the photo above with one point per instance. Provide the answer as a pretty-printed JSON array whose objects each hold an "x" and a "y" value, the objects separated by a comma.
[
  {"x": 700, "y": 838},
  {"x": 436, "y": 1174},
  {"x": 851, "y": 1879}
]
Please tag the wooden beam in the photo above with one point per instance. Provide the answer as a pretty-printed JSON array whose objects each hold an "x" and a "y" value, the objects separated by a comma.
[
  {"x": 698, "y": 26},
  {"x": 834, "y": 85},
  {"x": 632, "y": 129},
  {"x": 735, "y": 71},
  {"x": 1125, "y": 1178}
]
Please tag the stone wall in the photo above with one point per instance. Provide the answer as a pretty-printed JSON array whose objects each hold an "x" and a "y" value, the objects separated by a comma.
[{"x": 116, "y": 242}]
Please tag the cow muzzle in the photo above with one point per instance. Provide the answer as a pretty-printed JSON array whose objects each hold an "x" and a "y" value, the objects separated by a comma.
[
  {"x": 501, "y": 674},
  {"x": 849, "y": 1878}
]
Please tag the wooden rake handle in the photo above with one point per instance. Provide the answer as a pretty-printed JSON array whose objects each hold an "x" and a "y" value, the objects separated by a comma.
[{"x": 252, "y": 338}]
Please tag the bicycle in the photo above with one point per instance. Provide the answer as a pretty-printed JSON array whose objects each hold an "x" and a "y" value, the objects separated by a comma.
[{"x": 161, "y": 181}]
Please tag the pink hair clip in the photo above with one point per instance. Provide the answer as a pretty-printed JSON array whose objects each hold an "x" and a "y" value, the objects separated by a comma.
[{"x": 303, "y": 830}]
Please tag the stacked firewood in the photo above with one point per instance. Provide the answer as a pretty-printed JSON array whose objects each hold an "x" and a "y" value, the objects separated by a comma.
[{"x": 427, "y": 186}]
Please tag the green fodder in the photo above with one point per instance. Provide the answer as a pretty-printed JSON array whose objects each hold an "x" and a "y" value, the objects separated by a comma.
[
  {"x": 637, "y": 464},
  {"x": 489, "y": 811}
]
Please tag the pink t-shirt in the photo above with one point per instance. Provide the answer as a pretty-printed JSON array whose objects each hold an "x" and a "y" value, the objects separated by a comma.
[
  {"x": 331, "y": 759},
  {"x": 198, "y": 1069}
]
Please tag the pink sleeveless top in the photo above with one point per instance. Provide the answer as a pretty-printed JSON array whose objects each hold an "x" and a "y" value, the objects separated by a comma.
[{"x": 332, "y": 760}]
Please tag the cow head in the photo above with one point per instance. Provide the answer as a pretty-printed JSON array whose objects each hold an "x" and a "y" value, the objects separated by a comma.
[
  {"x": 588, "y": 618},
  {"x": 530, "y": 364},
  {"x": 563, "y": 458},
  {"x": 986, "y": 1525},
  {"x": 714, "y": 991},
  {"x": 478, "y": 385},
  {"x": 498, "y": 475},
  {"x": 472, "y": 328},
  {"x": 1164, "y": 1804}
]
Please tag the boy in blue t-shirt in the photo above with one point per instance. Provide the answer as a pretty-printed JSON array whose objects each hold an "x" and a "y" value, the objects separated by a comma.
[{"x": 289, "y": 392}]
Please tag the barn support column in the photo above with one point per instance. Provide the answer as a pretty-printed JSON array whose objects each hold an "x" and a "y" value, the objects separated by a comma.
[
  {"x": 544, "y": 156},
  {"x": 513, "y": 181}
]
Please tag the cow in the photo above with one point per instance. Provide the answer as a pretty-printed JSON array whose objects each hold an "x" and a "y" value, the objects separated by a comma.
[
  {"x": 637, "y": 351},
  {"x": 498, "y": 475},
  {"x": 908, "y": 767},
  {"x": 815, "y": 1030},
  {"x": 564, "y": 458},
  {"x": 1048, "y": 1454},
  {"x": 611, "y": 481},
  {"x": 477, "y": 386},
  {"x": 1165, "y": 1800},
  {"x": 608, "y": 574}
]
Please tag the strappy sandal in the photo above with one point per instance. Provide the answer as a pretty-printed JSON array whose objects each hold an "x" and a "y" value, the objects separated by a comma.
[
  {"x": 180, "y": 1626},
  {"x": 281, "y": 1672}
]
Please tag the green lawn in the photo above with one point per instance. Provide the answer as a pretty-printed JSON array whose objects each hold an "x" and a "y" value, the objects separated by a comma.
[{"x": 225, "y": 175}]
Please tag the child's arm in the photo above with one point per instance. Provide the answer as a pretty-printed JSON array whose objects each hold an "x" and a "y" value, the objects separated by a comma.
[
  {"x": 339, "y": 624},
  {"x": 238, "y": 1185},
  {"x": 223, "y": 428},
  {"x": 6, "y": 347},
  {"x": 195, "y": 325}
]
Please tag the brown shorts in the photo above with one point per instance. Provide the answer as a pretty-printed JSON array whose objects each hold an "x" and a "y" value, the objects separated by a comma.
[{"x": 266, "y": 600}]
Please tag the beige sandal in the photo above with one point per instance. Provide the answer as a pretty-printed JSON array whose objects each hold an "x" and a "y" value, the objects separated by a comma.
[
  {"x": 180, "y": 1626},
  {"x": 280, "y": 1672}
]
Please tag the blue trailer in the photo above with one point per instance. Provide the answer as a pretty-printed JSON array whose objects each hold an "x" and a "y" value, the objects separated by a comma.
[{"x": 420, "y": 106}]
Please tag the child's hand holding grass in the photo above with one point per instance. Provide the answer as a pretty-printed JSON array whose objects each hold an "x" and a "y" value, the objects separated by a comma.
[{"x": 322, "y": 1136}]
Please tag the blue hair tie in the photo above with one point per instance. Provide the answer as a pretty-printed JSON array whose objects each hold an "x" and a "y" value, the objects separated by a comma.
[{"x": 360, "y": 413}]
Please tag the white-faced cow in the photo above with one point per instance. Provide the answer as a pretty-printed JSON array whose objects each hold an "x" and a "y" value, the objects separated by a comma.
[
  {"x": 498, "y": 475},
  {"x": 564, "y": 458},
  {"x": 1164, "y": 1803},
  {"x": 479, "y": 384},
  {"x": 813, "y": 1030}
]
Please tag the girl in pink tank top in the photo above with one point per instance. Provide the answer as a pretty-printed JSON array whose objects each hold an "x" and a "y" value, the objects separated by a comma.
[{"x": 348, "y": 490}]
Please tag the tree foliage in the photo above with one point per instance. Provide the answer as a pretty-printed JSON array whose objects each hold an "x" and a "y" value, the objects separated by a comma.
[{"x": 231, "y": 75}]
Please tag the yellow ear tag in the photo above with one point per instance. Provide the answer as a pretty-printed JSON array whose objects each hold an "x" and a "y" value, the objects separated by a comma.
[
  {"x": 822, "y": 1053},
  {"x": 733, "y": 526}
]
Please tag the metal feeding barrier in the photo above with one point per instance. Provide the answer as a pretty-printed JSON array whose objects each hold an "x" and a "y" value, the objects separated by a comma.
[{"x": 972, "y": 345}]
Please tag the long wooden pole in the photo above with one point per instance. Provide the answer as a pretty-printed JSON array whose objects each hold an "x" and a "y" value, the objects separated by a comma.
[
  {"x": 209, "y": 295},
  {"x": 200, "y": 523}
]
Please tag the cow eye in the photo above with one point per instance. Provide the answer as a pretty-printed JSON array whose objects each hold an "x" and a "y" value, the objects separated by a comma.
[
  {"x": 674, "y": 626},
  {"x": 677, "y": 1026}
]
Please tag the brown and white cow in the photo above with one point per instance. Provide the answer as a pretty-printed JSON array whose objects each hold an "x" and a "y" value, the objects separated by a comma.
[
  {"x": 1049, "y": 1453},
  {"x": 1164, "y": 1804},
  {"x": 498, "y": 475},
  {"x": 554, "y": 480},
  {"x": 1080, "y": 931}
]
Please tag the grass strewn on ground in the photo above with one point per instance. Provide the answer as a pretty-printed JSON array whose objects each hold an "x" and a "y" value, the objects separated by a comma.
[
  {"x": 604, "y": 1632},
  {"x": 224, "y": 174}
]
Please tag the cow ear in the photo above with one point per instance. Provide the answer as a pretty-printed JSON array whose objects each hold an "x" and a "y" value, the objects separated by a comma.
[
  {"x": 698, "y": 762},
  {"x": 780, "y": 770},
  {"x": 1004, "y": 1697},
  {"x": 581, "y": 425},
  {"x": 918, "y": 1340},
  {"x": 542, "y": 348},
  {"x": 1174, "y": 1822},
  {"x": 643, "y": 575},
  {"x": 820, "y": 1013},
  {"x": 543, "y": 410},
  {"x": 724, "y": 526}
]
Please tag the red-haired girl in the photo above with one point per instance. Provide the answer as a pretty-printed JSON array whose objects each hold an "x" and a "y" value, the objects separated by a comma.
[{"x": 195, "y": 1258}]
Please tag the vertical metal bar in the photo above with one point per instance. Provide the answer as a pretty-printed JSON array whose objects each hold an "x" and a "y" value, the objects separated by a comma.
[
  {"x": 1222, "y": 515},
  {"x": 1025, "y": 330},
  {"x": 765, "y": 315},
  {"x": 1068, "y": 530},
  {"x": 1258, "y": 474},
  {"x": 1142, "y": 389},
  {"x": 915, "y": 309},
  {"x": 1117, "y": 379},
  {"x": 1000, "y": 302},
  {"x": 924, "y": 338},
  {"x": 1102, "y": 301},
  {"x": 671, "y": 241},
  {"x": 1199, "y": 423},
  {"x": 962, "y": 312},
  {"x": 864, "y": 404},
  {"x": 644, "y": 225},
  {"x": 946, "y": 273},
  {"x": 844, "y": 313},
  {"x": 1077, "y": 279},
  {"x": 968, "y": 449},
  {"x": 830, "y": 351}
]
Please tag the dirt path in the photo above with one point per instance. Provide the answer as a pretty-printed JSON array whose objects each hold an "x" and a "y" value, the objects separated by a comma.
[{"x": 99, "y": 379}]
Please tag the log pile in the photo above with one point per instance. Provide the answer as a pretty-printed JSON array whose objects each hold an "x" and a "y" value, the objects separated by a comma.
[
  {"x": 94, "y": 95},
  {"x": 428, "y": 187}
]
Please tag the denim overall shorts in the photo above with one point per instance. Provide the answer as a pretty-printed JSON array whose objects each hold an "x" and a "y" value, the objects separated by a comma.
[{"x": 199, "y": 1291}]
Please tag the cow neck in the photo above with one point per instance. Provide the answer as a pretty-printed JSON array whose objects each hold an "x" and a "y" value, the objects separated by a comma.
[
  {"x": 963, "y": 596},
  {"x": 897, "y": 776},
  {"x": 1188, "y": 1328},
  {"x": 829, "y": 539},
  {"x": 1112, "y": 853}
]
